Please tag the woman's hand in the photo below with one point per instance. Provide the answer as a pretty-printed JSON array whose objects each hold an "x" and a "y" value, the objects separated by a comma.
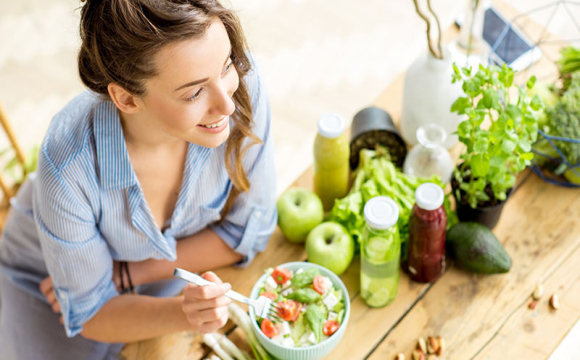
[
  {"x": 47, "y": 290},
  {"x": 206, "y": 307}
]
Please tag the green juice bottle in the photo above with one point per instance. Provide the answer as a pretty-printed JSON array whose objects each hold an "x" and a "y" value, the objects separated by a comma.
[
  {"x": 331, "y": 160},
  {"x": 380, "y": 252}
]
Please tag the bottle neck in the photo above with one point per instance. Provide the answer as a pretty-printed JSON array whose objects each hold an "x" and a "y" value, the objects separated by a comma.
[{"x": 428, "y": 215}]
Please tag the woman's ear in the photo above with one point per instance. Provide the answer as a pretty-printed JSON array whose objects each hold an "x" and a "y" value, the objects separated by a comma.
[{"x": 125, "y": 101}]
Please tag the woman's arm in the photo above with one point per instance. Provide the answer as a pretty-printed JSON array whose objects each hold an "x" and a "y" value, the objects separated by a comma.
[
  {"x": 129, "y": 318},
  {"x": 200, "y": 252}
]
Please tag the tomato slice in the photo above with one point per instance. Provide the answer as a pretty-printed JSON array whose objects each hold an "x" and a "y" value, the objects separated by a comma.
[
  {"x": 297, "y": 314},
  {"x": 330, "y": 327},
  {"x": 268, "y": 328},
  {"x": 281, "y": 275},
  {"x": 287, "y": 309},
  {"x": 318, "y": 284},
  {"x": 269, "y": 295}
]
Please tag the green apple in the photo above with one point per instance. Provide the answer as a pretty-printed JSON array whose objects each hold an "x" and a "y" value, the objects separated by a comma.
[
  {"x": 299, "y": 211},
  {"x": 330, "y": 245}
]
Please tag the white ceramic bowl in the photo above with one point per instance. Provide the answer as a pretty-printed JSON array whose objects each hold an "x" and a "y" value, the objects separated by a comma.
[{"x": 313, "y": 352}]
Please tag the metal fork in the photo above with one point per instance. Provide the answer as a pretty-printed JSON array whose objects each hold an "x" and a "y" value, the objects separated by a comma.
[{"x": 263, "y": 306}]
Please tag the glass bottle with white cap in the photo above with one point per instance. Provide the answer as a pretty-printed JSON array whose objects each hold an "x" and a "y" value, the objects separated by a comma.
[
  {"x": 331, "y": 160},
  {"x": 427, "y": 228},
  {"x": 380, "y": 252}
]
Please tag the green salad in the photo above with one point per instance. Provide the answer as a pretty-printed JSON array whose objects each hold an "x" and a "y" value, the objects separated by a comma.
[{"x": 309, "y": 306}]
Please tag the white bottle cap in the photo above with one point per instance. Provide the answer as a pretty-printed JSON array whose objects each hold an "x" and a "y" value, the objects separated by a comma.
[
  {"x": 381, "y": 212},
  {"x": 429, "y": 196},
  {"x": 331, "y": 125}
]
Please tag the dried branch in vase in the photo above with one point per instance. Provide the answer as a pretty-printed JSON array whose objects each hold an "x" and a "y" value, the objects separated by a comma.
[{"x": 437, "y": 54}]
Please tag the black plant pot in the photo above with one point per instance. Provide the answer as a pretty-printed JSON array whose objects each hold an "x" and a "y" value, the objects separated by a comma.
[
  {"x": 373, "y": 126},
  {"x": 486, "y": 215}
]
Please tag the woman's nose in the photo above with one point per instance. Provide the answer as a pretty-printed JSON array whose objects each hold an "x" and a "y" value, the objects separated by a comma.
[{"x": 223, "y": 104}]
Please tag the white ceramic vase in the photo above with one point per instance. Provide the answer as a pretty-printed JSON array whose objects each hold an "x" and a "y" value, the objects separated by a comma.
[{"x": 428, "y": 95}]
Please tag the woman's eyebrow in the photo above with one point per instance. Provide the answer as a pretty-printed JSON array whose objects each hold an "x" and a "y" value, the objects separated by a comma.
[
  {"x": 191, "y": 83},
  {"x": 204, "y": 79}
]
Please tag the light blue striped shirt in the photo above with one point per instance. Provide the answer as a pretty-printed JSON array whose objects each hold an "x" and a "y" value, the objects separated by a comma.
[{"x": 85, "y": 208}]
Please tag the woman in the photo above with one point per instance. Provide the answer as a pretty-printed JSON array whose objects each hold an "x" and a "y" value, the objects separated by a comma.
[{"x": 166, "y": 161}]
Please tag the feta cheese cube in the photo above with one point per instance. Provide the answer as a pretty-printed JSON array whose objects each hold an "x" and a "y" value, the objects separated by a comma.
[
  {"x": 312, "y": 338},
  {"x": 299, "y": 271},
  {"x": 332, "y": 315},
  {"x": 287, "y": 329},
  {"x": 278, "y": 339},
  {"x": 271, "y": 284},
  {"x": 326, "y": 285},
  {"x": 286, "y": 292},
  {"x": 330, "y": 301},
  {"x": 288, "y": 342},
  {"x": 283, "y": 328},
  {"x": 303, "y": 309},
  {"x": 287, "y": 284}
]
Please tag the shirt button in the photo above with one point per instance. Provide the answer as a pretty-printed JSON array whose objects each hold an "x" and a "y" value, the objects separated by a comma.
[{"x": 258, "y": 214}]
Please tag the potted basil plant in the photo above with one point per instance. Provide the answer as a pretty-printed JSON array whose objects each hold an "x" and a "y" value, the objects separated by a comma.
[{"x": 498, "y": 134}]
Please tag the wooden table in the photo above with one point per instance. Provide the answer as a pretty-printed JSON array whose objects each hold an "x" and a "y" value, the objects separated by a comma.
[{"x": 479, "y": 316}]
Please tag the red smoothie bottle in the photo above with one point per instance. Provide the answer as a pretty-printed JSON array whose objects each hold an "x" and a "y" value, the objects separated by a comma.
[{"x": 426, "y": 260}]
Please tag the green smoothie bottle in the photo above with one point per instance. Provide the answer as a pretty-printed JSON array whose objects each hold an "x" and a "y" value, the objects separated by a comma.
[
  {"x": 380, "y": 252},
  {"x": 331, "y": 160}
]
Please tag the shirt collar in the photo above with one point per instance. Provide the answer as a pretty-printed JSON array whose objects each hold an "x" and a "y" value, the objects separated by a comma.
[{"x": 115, "y": 169}]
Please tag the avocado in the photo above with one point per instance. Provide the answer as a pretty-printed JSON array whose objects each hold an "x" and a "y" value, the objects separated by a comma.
[{"x": 474, "y": 247}]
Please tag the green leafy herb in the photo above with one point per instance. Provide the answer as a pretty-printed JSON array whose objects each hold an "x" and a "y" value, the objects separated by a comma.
[
  {"x": 496, "y": 154},
  {"x": 315, "y": 317}
]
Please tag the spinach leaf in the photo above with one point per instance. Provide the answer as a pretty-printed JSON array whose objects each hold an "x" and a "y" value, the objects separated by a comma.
[
  {"x": 306, "y": 295},
  {"x": 305, "y": 278}
]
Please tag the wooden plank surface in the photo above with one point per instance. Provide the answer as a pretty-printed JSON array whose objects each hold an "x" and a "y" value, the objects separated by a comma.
[
  {"x": 529, "y": 334},
  {"x": 468, "y": 310}
]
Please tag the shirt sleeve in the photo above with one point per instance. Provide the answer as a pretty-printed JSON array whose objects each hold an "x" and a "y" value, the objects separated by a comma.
[
  {"x": 252, "y": 219},
  {"x": 76, "y": 255}
]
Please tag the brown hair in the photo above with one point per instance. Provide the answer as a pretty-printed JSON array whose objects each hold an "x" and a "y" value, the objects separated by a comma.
[{"x": 121, "y": 37}]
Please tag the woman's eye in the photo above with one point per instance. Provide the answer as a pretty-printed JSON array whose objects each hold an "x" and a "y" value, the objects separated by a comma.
[
  {"x": 228, "y": 66},
  {"x": 195, "y": 96}
]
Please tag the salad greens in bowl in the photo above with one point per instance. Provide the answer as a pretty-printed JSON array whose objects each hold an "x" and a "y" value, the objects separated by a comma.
[{"x": 313, "y": 307}]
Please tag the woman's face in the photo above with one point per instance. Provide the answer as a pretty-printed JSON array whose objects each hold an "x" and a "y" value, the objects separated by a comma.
[{"x": 191, "y": 97}]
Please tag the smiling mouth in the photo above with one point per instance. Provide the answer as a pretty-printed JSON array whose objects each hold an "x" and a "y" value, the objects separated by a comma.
[{"x": 216, "y": 124}]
